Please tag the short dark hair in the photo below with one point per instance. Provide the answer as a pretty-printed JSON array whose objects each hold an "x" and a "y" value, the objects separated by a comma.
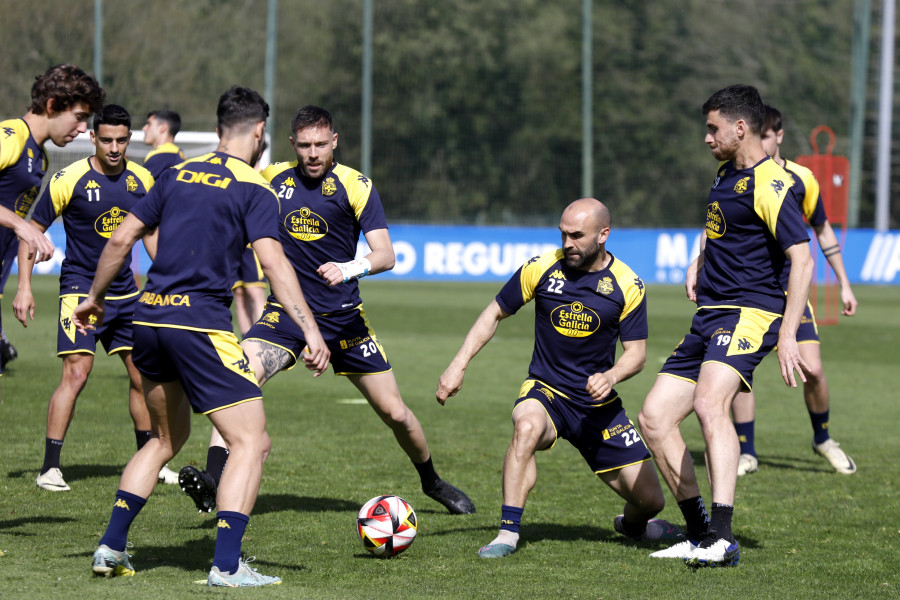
[
  {"x": 738, "y": 102},
  {"x": 772, "y": 120},
  {"x": 112, "y": 114},
  {"x": 66, "y": 85},
  {"x": 171, "y": 118},
  {"x": 311, "y": 116},
  {"x": 240, "y": 106}
]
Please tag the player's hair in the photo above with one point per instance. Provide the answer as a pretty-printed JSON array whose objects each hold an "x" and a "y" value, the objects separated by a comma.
[
  {"x": 738, "y": 102},
  {"x": 311, "y": 116},
  {"x": 66, "y": 85},
  {"x": 240, "y": 106},
  {"x": 171, "y": 118},
  {"x": 112, "y": 114},
  {"x": 772, "y": 120}
]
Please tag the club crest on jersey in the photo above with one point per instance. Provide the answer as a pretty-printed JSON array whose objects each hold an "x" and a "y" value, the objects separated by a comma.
[
  {"x": 107, "y": 223},
  {"x": 715, "y": 221},
  {"x": 741, "y": 186},
  {"x": 605, "y": 286},
  {"x": 329, "y": 187},
  {"x": 131, "y": 184},
  {"x": 305, "y": 225},
  {"x": 574, "y": 320}
]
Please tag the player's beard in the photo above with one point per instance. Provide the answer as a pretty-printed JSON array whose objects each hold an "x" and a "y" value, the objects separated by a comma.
[{"x": 586, "y": 258}]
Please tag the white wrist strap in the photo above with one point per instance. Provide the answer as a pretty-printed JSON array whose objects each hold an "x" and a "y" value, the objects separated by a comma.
[{"x": 354, "y": 269}]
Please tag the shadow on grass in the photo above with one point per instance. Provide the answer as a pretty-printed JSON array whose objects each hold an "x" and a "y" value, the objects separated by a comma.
[
  {"x": 76, "y": 472},
  {"x": 193, "y": 555},
  {"x": 267, "y": 503},
  {"x": 810, "y": 465},
  {"x": 6, "y": 526}
]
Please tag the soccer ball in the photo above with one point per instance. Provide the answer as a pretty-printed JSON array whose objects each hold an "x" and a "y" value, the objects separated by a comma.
[{"x": 386, "y": 526}]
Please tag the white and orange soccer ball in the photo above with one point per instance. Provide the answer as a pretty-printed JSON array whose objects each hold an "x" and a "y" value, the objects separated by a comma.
[{"x": 386, "y": 526}]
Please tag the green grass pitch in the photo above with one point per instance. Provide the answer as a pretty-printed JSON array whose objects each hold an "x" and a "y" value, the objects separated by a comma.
[{"x": 805, "y": 532}]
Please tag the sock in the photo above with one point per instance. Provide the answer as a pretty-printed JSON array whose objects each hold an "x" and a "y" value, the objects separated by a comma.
[
  {"x": 125, "y": 509},
  {"x": 229, "y": 533},
  {"x": 510, "y": 518},
  {"x": 142, "y": 437},
  {"x": 52, "y": 450},
  {"x": 695, "y": 517},
  {"x": 216, "y": 457},
  {"x": 745, "y": 437},
  {"x": 721, "y": 520},
  {"x": 820, "y": 426},
  {"x": 427, "y": 474}
]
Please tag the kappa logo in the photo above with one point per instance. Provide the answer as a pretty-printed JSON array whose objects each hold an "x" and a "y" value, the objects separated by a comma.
[
  {"x": 744, "y": 344},
  {"x": 91, "y": 185},
  {"x": 741, "y": 186},
  {"x": 639, "y": 283},
  {"x": 242, "y": 365},
  {"x": 215, "y": 160},
  {"x": 557, "y": 274},
  {"x": 363, "y": 180},
  {"x": 67, "y": 323},
  {"x": 222, "y": 524},
  {"x": 290, "y": 182},
  {"x": 778, "y": 186},
  {"x": 329, "y": 187},
  {"x": 58, "y": 175},
  {"x": 120, "y": 503},
  {"x": 8, "y": 131}
]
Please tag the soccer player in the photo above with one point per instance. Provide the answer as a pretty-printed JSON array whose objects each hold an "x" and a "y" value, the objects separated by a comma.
[
  {"x": 93, "y": 196},
  {"x": 585, "y": 299},
  {"x": 324, "y": 207},
  {"x": 159, "y": 131},
  {"x": 62, "y": 100},
  {"x": 815, "y": 388},
  {"x": 206, "y": 211},
  {"x": 753, "y": 228}
]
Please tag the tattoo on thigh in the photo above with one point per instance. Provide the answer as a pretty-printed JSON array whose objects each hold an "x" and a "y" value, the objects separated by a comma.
[{"x": 273, "y": 359}]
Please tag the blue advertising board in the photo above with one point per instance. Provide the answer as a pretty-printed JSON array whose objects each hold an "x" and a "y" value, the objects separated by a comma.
[{"x": 462, "y": 253}]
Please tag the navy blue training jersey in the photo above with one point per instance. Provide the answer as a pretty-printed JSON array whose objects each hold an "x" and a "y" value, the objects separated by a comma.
[
  {"x": 752, "y": 217},
  {"x": 320, "y": 222},
  {"x": 159, "y": 159},
  {"x": 578, "y": 316},
  {"x": 207, "y": 211},
  {"x": 92, "y": 206}
]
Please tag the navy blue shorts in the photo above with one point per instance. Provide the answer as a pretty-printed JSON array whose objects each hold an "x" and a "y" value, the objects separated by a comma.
[
  {"x": 212, "y": 367},
  {"x": 737, "y": 337},
  {"x": 354, "y": 348},
  {"x": 116, "y": 333},
  {"x": 603, "y": 433},
  {"x": 808, "y": 332}
]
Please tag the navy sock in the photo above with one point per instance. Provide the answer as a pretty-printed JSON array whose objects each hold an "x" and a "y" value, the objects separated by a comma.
[
  {"x": 427, "y": 474},
  {"x": 216, "y": 457},
  {"x": 142, "y": 437},
  {"x": 696, "y": 517},
  {"x": 510, "y": 517},
  {"x": 52, "y": 450},
  {"x": 230, "y": 528},
  {"x": 820, "y": 426},
  {"x": 745, "y": 437},
  {"x": 721, "y": 520},
  {"x": 125, "y": 509}
]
